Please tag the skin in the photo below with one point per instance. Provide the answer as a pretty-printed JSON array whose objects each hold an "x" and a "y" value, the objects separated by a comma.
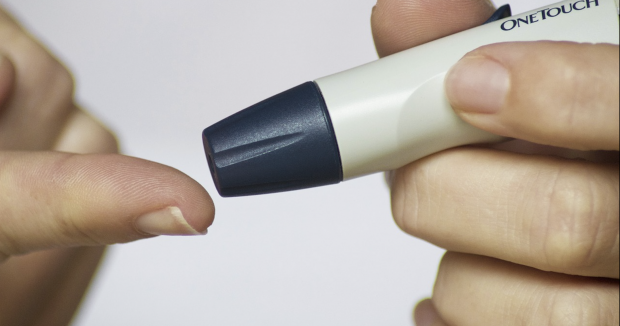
[
  {"x": 64, "y": 193},
  {"x": 531, "y": 232},
  {"x": 532, "y": 239}
]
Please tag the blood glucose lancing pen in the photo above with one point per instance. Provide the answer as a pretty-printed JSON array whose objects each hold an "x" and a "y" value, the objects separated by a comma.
[{"x": 379, "y": 116}]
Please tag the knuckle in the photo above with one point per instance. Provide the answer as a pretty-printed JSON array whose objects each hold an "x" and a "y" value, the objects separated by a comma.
[
  {"x": 575, "y": 90},
  {"x": 576, "y": 233},
  {"x": 75, "y": 231},
  {"x": 577, "y": 95}
]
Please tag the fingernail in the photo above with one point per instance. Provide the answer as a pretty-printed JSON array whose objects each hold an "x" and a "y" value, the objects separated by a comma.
[
  {"x": 425, "y": 314},
  {"x": 168, "y": 221},
  {"x": 477, "y": 84}
]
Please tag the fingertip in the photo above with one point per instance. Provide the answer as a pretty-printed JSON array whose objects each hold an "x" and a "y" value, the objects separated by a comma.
[
  {"x": 199, "y": 212},
  {"x": 425, "y": 314},
  {"x": 83, "y": 134},
  {"x": 398, "y": 25},
  {"x": 167, "y": 188}
]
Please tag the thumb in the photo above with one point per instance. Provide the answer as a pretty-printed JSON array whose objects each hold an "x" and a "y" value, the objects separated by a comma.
[
  {"x": 551, "y": 93},
  {"x": 50, "y": 199}
]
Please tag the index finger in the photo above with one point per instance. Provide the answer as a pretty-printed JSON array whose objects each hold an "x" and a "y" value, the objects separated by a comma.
[{"x": 51, "y": 200}]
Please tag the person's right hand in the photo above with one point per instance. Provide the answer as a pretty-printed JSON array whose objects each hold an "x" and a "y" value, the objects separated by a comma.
[
  {"x": 50, "y": 198},
  {"x": 532, "y": 236}
]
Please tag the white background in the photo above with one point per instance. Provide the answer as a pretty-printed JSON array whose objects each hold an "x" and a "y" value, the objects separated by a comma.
[{"x": 158, "y": 72}]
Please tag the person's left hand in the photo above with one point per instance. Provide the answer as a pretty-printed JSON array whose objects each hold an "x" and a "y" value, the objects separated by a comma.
[{"x": 58, "y": 208}]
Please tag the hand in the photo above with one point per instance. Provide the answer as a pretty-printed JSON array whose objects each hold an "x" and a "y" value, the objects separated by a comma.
[
  {"x": 52, "y": 199},
  {"x": 532, "y": 239}
]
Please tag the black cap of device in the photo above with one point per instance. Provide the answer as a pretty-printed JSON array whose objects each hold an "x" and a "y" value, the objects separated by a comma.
[{"x": 283, "y": 143}]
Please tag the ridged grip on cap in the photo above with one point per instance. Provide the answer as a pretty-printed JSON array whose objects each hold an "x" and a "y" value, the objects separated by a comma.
[{"x": 283, "y": 143}]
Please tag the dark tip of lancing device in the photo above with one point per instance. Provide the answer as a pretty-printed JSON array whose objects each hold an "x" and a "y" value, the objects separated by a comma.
[
  {"x": 283, "y": 143},
  {"x": 501, "y": 13}
]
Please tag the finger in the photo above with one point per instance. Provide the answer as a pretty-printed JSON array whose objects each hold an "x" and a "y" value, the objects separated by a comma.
[
  {"x": 425, "y": 314},
  {"x": 552, "y": 93},
  {"x": 41, "y": 96},
  {"x": 475, "y": 290},
  {"x": 6, "y": 18},
  {"x": 398, "y": 25},
  {"x": 524, "y": 147},
  {"x": 83, "y": 134},
  {"x": 548, "y": 213},
  {"x": 45, "y": 287},
  {"x": 55, "y": 199}
]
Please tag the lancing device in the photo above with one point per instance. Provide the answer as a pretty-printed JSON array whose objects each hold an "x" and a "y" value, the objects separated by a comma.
[{"x": 379, "y": 116}]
